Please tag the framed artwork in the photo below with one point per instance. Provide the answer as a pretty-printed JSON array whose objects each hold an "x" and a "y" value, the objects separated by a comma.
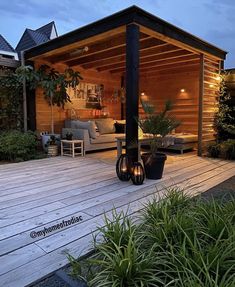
[{"x": 87, "y": 96}]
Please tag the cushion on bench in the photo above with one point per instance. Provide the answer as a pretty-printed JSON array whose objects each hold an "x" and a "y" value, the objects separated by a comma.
[
  {"x": 185, "y": 138},
  {"x": 105, "y": 138}
]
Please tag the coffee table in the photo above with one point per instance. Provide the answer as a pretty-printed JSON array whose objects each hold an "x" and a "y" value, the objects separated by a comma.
[{"x": 143, "y": 140}]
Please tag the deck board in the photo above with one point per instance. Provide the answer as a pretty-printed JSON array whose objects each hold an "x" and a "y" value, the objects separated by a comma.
[{"x": 42, "y": 193}]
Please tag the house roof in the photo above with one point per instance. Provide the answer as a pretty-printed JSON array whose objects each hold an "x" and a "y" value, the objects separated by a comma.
[
  {"x": 46, "y": 29},
  {"x": 32, "y": 38},
  {"x": 5, "y": 46},
  {"x": 38, "y": 37},
  {"x": 125, "y": 17}
]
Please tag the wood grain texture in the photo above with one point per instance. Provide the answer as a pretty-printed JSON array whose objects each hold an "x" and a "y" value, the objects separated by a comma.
[
  {"x": 92, "y": 188},
  {"x": 161, "y": 87}
]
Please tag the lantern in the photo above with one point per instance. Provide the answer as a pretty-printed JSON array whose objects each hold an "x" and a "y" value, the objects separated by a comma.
[
  {"x": 123, "y": 167},
  {"x": 137, "y": 173}
]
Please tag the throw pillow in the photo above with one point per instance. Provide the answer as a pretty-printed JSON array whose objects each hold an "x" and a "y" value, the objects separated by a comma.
[
  {"x": 121, "y": 121},
  {"x": 120, "y": 128},
  {"x": 90, "y": 126},
  {"x": 105, "y": 126}
]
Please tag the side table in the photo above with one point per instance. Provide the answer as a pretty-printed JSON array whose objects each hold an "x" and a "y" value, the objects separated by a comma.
[{"x": 72, "y": 147}]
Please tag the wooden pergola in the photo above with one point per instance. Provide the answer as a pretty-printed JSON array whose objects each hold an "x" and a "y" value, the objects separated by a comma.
[{"x": 137, "y": 46}]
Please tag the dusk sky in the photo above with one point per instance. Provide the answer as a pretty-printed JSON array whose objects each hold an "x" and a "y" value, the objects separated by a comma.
[{"x": 211, "y": 20}]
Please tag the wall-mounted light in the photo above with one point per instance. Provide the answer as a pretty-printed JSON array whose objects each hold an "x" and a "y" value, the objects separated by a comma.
[
  {"x": 182, "y": 90},
  {"x": 143, "y": 96},
  {"x": 211, "y": 86}
]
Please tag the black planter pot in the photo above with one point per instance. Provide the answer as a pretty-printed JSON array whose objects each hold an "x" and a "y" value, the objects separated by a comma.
[{"x": 154, "y": 165}]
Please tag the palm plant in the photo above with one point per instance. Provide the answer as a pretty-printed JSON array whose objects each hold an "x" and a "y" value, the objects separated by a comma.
[{"x": 158, "y": 124}]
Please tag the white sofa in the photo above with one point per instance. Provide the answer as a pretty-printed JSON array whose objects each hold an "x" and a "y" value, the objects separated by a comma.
[{"x": 104, "y": 139}]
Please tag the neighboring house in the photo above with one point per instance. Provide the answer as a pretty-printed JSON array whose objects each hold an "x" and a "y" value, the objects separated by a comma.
[
  {"x": 8, "y": 56},
  {"x": 32, "y": 38}
]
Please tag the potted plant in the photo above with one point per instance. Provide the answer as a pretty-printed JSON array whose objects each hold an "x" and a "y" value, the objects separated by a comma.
[
  {"x": 69, "y": 136},
  {"x": 158, "y": 125},
  {"x": 52, "y": 146}
]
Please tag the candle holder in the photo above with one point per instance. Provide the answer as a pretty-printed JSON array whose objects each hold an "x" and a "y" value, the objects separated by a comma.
[
  {"x": 137, "y": 173},
  {"x": 123, "y": 168}
]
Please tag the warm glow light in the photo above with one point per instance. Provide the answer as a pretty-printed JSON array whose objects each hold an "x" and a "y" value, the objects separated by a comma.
[
  {"x": 217, "y": 78},
  {"x": 211, "y": 86},
  {"x": 136, "y": 172},
  {"x": 143, "y": 96},
  {"x": 182, "y": 90}
]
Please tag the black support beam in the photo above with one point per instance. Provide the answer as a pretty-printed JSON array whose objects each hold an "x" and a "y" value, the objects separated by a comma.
[{"x": 132, "y": 90}]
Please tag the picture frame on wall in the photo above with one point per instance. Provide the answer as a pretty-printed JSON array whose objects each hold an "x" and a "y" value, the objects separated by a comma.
[{"x": 87, "y": 96}]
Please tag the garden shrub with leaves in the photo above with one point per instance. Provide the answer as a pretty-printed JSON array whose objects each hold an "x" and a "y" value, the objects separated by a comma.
[
  {"x": 17, "y": 146},
  {"x": 224, "y": 121},
  {"x": 180, "y": 242},
  {"x": 225, "y": 149},
  {"x": 11, "y": 101}
]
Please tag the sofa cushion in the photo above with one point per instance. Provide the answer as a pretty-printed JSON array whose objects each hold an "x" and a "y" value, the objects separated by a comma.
[
  {"x": 185, "y": 138},
  {"x": 105, "y": 126},
  {"x": 89, "y": 125},
  {"x": 105, "y": 138}
]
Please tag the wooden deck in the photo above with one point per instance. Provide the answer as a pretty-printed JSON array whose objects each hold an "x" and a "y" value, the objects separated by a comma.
[{"x": 39, "y": 194}]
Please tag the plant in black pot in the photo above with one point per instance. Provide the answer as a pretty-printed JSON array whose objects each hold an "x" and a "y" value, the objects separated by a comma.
[{"x": 158, "y": 125}]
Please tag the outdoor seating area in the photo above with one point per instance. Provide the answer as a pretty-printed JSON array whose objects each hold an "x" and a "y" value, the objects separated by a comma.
[
  {"x": 118, "y": 74},
  {"x": 111, "y": 135}
]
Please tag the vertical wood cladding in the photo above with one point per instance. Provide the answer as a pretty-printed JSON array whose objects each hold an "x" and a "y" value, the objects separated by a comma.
[
  {"x": 181, "y": 86},
  {"x": 210, "y": 102}
]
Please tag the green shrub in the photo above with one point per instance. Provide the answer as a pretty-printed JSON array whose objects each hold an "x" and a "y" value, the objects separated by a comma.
[
  {"x": 179, "y": 242},
  {"x": 225, "y": 150},
  {"x": 213, "y": 150},
  {"x": 17, "y": 146}
]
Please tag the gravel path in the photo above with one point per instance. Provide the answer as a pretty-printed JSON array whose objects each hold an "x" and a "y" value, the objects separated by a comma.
[{"x": 221, "y": 191}]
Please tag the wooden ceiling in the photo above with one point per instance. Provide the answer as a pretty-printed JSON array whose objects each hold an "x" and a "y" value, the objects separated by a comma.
[{"x": 109, "y": 54}]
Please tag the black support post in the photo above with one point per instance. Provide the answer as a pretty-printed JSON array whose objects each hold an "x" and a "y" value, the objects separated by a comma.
[
  {"x": 122, "y": 104},
  {"x": 132, "y": 90}
]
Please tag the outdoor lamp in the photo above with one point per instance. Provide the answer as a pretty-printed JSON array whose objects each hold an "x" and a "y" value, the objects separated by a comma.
[
  {"x": 137, "y": 173},
  {"x": 122, "y": 167}
]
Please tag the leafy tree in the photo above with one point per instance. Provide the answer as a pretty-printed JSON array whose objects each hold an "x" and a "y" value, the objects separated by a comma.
[
  {"x": 224, "y": 122},
  {"x": 53, "y": 83}
]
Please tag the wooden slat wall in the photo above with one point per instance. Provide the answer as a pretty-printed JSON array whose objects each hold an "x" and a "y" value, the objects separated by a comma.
[
  {"x": 9, "y": 63},
  {"x": 210, "y": 103},
  {"x": 161, "y": 86},
  {"x": 110, "y": 82}
]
